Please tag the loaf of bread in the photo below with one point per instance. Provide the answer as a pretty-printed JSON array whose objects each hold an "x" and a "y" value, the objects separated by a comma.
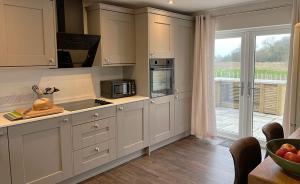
[{"x": 42, "y": 104}]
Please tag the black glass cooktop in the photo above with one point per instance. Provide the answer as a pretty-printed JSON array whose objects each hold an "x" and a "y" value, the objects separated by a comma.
[{"x": 83, "y": 104}]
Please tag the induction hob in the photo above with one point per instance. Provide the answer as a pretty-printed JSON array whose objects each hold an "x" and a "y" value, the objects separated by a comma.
[{"x": 83, "y": 104}]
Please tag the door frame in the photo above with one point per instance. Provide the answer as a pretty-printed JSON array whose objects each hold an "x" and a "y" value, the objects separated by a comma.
[
  {"x": 252, "y": 34},
  {"x": 248, "y": 48}
]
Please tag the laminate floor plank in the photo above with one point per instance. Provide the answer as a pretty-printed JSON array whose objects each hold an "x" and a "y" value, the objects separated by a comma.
[{"x": 187, "y": 161}]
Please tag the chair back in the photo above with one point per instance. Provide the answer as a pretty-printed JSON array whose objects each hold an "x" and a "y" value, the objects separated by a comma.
[
  {"x": 272, "y": 131},
  {"x": 246, "y": 154}
]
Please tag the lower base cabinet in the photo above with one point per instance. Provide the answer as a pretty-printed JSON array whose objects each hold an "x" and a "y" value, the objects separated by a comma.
[
  {"x": 161, "y": 118},
  {"x": 132, "y": 127},
  {"x": 41, "y": 152},
  {"x": 4, "y": 158},
  {"x": 94, "y": 156},
  {"x": 183, "y": 106}
]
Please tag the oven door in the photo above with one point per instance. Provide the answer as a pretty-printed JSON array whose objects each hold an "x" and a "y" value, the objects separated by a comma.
[{"x": 161, "y": 81}]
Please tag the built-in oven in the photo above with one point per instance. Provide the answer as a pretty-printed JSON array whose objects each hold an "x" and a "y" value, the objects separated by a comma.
[{"x": 161, "y": 77}]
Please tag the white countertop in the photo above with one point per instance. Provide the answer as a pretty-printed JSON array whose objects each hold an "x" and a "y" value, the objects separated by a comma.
[{"x": 6, "y": 123}]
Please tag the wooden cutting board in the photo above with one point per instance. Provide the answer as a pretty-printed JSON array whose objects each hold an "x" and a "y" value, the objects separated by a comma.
[{"x": 29, "y": 113}]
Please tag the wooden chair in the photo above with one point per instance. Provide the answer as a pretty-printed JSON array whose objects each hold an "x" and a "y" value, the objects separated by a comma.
[
  {"x": 272, "y": 131},
  {"x": 246, "y": 154}
]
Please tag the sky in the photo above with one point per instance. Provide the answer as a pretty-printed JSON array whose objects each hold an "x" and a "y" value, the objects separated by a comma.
[{"x": 224, "y": 46}]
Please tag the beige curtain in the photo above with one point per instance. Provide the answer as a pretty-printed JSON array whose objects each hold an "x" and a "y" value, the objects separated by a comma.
[
  {"x": 203, "y": 103},
  {"x": 291, "y": 119}
]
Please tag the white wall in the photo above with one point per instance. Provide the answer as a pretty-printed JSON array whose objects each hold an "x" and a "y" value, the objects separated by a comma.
[
  {"x": 269, "y": 17},
  {"x": 74, "y": 84},
  {"x": 255, "y": 14}
]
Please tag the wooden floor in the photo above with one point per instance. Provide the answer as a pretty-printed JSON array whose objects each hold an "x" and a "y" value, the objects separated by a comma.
[{"x": 188, "y": 161}]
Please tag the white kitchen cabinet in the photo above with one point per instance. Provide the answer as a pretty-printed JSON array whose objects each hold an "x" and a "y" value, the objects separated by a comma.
[
  {"x": 183, "y": 105},
  {"x": 161, "y": 36},
  {"x": 184, "y": 49},
  {"x": 4, "y": 157},
  {"x": 91, "y": 133},
  {"x": 116, "y": 26},
  {"x": 41, "y": 152},
  {"x": 161, "y": 119},
  {"x": 27, "y": 33},
  {"x": 94, "y": 156},
  {"x": 133, "y": 127},
  {"x": 94, "y": 138},
  {"x": 184, "y": 52}
]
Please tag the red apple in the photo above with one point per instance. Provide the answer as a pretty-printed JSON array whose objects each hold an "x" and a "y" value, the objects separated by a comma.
[
  {"x": 298, "y": 152},
  {"x": 292, "y": 157},
  {"x": 281, "y": 152},
  {"x": 290, "y": 148}
]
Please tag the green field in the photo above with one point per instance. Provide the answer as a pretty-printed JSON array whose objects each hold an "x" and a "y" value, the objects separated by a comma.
[{"x": 259, "y": 74}]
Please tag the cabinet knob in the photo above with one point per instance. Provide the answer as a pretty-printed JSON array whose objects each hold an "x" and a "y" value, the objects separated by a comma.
[
  {"x": 51, "y": 61},
  {"x": 176, "y": 97},
  {"x": 107, "y": 61},
  {"x": 96, "y": 115},
  {"x": 66, "y": 120},
  {"x": 97, "y": 149},
  {"x": 151, "y": 55},
  {"x": 121, "y": 108},
  {"x": 152, "y": 101},
  {"x": 96, "y": 126}
]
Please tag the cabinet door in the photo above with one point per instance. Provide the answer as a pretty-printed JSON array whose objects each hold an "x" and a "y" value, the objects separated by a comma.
[
  {"x": 4, "y": 157},
  {"x": 41, "y": 152},
  {"x": 132, "y": 120},
  {"x": 27, "y": 33},
  {"x": 184, "y": 49},
  {"x": 117, "y": 38},
  {"x": 161, "y": 30},
  {"x": 161, "y": 118},
  {"x": 183, "y": 105}
]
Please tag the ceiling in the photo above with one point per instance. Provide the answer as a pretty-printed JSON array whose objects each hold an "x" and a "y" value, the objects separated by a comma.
[{"x": 186, "y": 6}]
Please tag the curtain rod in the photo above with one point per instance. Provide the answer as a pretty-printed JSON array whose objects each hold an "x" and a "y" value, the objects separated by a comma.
[{"x": 251, "y": 11}]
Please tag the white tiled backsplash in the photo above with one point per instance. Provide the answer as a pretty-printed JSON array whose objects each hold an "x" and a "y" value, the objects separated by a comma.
[{"x": 81, "y": 83}]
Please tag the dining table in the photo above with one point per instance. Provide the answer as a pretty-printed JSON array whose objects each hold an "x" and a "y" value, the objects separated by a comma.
[{"x": 268, "y": 172}]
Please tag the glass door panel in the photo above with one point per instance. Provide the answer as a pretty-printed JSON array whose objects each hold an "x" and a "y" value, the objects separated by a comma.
[
  {"x": 227, "y": 76},
  {"x": 270, "y": 78}
]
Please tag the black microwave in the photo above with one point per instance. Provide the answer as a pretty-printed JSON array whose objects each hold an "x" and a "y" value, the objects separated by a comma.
[{"x": 118, "y": 88}]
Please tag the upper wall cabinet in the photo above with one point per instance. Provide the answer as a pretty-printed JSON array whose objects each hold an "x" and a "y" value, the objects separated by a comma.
[
  {"x": 27, "y": 33},
  {"x": 184, "y": 49},
  {"x": 161, "y": 36},
  {"x": 117, "y": 29}
]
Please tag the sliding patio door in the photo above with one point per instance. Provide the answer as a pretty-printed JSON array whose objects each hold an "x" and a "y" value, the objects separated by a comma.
[{"x": 250, "y": 79}]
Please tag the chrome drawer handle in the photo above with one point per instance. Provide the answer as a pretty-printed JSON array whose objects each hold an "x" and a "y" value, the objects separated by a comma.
[
  {"x": 66, "y": 120},
  {"x": 97, "y": 149},
  {"x": 96, "y": 115},
  {"x": 51, "y": 60},
  {"x": 121, "y": 108}
]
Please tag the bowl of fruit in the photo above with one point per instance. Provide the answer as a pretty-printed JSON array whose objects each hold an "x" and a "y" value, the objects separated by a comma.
[{"x": 286, "y": 153}]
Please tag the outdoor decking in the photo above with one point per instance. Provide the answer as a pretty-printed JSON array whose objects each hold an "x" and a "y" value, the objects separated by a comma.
[{"x": 228, "y": 121}]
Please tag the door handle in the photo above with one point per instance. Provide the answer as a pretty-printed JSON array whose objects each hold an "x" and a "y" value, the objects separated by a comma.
[
  {"x": 250, "y": 88},
  {"x": 242, "y": 88}
]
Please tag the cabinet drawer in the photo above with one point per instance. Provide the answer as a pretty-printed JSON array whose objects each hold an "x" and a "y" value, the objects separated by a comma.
[
  {"x": 88, "y": 134},
  {"x": 93, "y": 115},
  {"x": 94, "y": 156}
]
